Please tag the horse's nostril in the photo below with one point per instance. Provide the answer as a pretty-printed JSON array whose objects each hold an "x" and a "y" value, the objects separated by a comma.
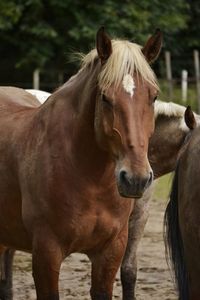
[{"x": 123, "y": 176}]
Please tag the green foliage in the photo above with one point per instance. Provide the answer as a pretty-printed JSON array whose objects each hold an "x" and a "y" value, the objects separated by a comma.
[
  {"x": 9, "y": 14},
  {"x": 40, "y": 33}
]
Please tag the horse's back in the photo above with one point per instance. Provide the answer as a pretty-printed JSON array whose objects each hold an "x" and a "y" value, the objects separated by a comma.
[
  {"x": 16, "y": 108},
  {"x": 16, "y": 97}
]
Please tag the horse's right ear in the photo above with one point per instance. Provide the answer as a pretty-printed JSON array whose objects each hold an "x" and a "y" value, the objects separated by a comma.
[
  {"x": 190, "y": 118},
  {"x": 152, "y": 48},
  {"x": 103, "y": 44}
]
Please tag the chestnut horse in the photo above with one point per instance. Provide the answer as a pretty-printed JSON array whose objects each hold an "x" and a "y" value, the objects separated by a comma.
[
  {"x": 182, "y": 220},
  {"x": 170, "y": 132},
  {"x": 68, "y": 165},
  {"x": 165, "y": 144}
]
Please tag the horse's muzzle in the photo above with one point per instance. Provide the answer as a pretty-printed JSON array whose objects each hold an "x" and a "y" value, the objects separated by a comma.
[{"x": 133, "y": 186}]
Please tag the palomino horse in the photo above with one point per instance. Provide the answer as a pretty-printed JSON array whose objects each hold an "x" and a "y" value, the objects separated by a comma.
[
  {"x": 182, "y": 220},
  {"x": 170, "y": 132},
  {"x": 69, "y": 166}
]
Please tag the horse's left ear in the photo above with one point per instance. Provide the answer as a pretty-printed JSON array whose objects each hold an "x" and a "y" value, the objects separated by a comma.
[
  {"x": 153, "y": 46},
  {"x": 103, "y": 44},
  {"x": 190, "y": 118}
]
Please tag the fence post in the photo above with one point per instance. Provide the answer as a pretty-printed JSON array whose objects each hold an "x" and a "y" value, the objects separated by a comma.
[
  {"x": 169, "y": 73},
  {"x": 184, "y": 85},
  {"x": 36, "y": 79},
  {"x": 197, "y": 76}
]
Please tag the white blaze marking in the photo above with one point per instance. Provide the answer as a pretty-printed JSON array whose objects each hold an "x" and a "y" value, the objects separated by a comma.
[{"x": 128, "y": 84}]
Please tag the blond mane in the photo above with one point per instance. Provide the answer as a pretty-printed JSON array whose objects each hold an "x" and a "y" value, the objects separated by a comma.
[
  {"x": 126, "y": 58},
  {"x": 170, "y": 109}
]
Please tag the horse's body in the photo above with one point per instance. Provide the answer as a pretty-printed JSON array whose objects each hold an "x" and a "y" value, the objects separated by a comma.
[
  {"x": 182, "y": 220},
  {"x": 165, "y": 144},
  {"x": 169, "y": 133},
  {"x": 67, "y": 165}
]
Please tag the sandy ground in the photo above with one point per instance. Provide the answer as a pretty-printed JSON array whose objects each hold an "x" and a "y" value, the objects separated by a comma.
[{"x": 154, "y": 279}]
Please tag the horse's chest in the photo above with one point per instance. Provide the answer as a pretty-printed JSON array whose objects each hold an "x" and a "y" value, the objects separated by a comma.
[
  {"x": 95, "y": 230},
  {"x": 88, "y": 221}
]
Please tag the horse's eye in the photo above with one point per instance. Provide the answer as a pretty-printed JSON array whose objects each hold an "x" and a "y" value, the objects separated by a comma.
[{"x": 106, "y": 101}]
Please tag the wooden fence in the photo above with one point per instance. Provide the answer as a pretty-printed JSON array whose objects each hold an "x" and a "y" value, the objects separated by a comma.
[
  {"x": 184, "y": 82},
  {"x": 184, "y": 79}
]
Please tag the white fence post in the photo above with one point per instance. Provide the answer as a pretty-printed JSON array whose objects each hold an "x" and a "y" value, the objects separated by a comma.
[
  {"x": 169, "y": 73},
  {"x": 36, "y": 79},
  {"x": 184, "y": 85}
]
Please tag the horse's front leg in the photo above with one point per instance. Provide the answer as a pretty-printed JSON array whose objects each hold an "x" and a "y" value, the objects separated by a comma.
[
  {"x": 46, "y": 261},
  {"x": 105, "y": 265},
  {"x": 137, "y": 223}
]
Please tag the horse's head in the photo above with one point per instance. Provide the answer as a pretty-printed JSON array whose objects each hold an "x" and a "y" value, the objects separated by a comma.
[
  {"x": 124, "y": 116},
  {"x": 172, "y": 125}
]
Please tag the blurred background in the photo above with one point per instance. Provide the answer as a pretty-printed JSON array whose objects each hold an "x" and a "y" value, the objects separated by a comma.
[
  {"x": 38, "y": 37},
  {"x": 37, "y": 42}
]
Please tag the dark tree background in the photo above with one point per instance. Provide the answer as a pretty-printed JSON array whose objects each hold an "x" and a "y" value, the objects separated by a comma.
[{"x": 43, "y": 33}]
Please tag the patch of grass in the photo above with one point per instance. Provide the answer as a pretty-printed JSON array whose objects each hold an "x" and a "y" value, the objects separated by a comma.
[{"x": 163, "y": 186}]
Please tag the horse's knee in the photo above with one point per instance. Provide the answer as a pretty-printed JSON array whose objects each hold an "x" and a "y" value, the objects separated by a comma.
[{"x": 128, "y": 276}]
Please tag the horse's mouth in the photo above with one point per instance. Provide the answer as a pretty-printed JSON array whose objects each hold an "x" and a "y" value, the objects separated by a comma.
[{"x": 130, "y": 196}]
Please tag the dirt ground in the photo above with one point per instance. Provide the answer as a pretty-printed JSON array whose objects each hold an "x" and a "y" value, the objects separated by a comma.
[{"x": 154, "y": 279}]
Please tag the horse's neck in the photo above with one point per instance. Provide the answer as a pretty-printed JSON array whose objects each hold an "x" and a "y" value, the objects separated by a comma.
[{"x": 73, "y": 108}]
